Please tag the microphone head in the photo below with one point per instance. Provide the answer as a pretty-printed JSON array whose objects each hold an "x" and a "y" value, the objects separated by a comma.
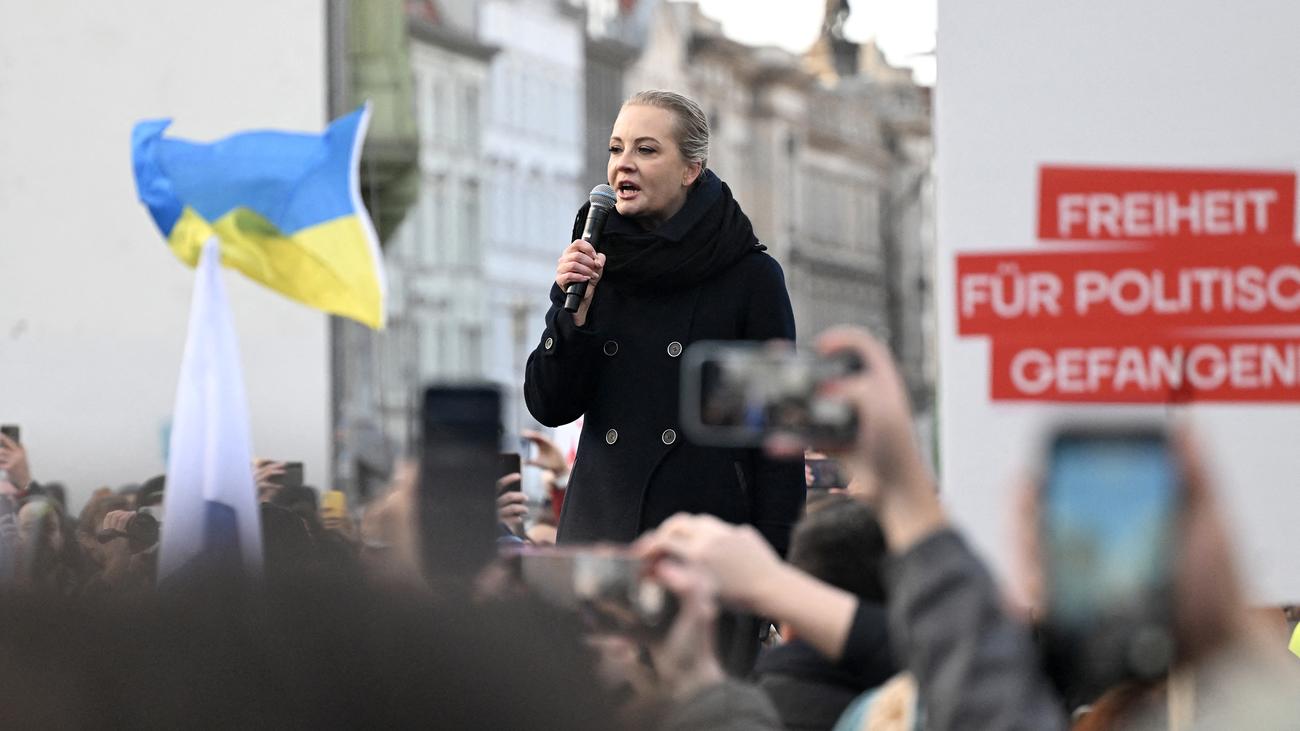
[{"x": 602, "y": 196}]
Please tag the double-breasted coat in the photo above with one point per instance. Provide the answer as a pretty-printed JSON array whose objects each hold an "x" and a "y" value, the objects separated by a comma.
[{"x": 634, "y": 466}]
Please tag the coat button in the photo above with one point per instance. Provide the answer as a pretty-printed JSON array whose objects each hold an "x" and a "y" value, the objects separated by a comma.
[
  {"x": 611, "y": 436},
  {"x": 674, "y": 349},
  {"x": 550, "y": 343},
  {"x": 669, "y": 436},
  {"x": 611, "y": 347}
]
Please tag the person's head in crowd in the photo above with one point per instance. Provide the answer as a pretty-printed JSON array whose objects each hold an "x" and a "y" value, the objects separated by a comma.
[
  {"x": 38, "y": 523},
  {"x": 58, "y": 493},
  {"x": 90, "y": 520},
  {"x": 840, "y": 542},
  {"x": 41, "y": 546},
  {"x": 837, "y": 541}
]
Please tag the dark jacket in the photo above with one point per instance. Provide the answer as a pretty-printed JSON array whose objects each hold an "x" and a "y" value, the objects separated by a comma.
[
  {"x": 634, "y": 466},
  {"x": 811, "y": 692},
  {"x": 975, "y": 667}
]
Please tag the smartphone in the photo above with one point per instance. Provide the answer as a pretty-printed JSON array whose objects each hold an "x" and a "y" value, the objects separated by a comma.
[
  {"x": 608, "y": 586},
  {"x": 738, "y": 394},
  {"x": 1109, "y": 524},
  {"x": 459, "y": 462},
  {"x": 826, "y": 474},
  {"x": 292, "y": 477},
  {"x": 508, "y": 463},
  {"x": 12, "y": 431},
  {"x": 333, "y": 505}
]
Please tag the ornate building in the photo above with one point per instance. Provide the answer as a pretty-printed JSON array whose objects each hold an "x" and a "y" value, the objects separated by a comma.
[
  {"x": 829, "y": 154},
  {"x": 437, "y": 308},
  {"x": 533, "y": 139}
]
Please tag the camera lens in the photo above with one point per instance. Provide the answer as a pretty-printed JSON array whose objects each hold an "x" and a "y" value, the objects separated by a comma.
[{"x": 142, "y": 531}]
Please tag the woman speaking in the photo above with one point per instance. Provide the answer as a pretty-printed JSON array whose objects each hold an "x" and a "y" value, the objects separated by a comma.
[{"x": 678, "y": 263}]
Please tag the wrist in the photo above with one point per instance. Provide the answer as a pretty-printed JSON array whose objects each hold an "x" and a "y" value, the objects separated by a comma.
[{"x": 909, "y": 513}]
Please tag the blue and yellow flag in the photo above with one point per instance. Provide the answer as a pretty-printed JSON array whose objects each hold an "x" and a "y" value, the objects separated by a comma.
[{"x": 285, "y": 207}]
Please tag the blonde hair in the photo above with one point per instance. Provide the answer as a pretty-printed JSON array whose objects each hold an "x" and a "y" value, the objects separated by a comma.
[{"x": 692, "y": 125}]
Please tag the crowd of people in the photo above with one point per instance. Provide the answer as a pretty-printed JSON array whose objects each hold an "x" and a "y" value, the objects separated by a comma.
[{"x": 881, "y": 616}]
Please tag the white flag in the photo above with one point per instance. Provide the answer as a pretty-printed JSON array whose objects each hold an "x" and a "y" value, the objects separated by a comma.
[{"x": 211, "y": 520}]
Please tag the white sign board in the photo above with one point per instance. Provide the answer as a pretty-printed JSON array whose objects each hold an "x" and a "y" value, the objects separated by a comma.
[{"x": 1117, "y": 199}]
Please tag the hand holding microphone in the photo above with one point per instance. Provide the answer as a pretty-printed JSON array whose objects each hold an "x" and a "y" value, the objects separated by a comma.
[{"x": 581, "y": 265}]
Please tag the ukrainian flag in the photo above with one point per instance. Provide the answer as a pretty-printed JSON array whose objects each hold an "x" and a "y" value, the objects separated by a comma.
[{"x": 286, "y": 208}]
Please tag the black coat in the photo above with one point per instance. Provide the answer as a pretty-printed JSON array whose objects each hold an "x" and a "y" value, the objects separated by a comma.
[
  {"x": 811, "y": 692},
  {"x": 634, "y": 466}
]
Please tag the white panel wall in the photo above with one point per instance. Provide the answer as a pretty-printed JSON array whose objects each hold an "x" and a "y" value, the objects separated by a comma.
[{"x": 1199, "y": 83}]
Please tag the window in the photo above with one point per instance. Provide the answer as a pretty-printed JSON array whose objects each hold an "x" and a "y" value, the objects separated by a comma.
[
  {"x": 498, "y": 206},
  {"x": 426, "y": 233},
  {"x": 443, "y": 359},
  {"x": 500, "y": 93},
  {"x": 470, "y": 113},
  {"x": 469, "y": 239},
  {"x": 424, "y": 107},
  {"x": 437, "y": 239},
  {"x": 472, "y": 355},
  {"x": 398, "y": 352}
]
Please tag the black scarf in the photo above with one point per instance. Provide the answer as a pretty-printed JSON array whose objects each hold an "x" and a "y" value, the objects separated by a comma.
[{"x": 705, "y": 238}]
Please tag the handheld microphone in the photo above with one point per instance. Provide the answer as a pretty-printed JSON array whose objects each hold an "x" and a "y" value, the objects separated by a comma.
[{"x": 602, "y": 201}]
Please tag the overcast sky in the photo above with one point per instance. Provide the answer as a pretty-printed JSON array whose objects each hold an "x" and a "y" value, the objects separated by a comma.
[{"x": 903, "y": 28}]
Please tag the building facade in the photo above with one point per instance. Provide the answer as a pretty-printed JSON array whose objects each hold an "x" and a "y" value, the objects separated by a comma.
[
  {"x": 830, "y": 155},
  {"x": 828, "y": 152},
  {"x": 437, "y": 305},
  {"x": 533, "y": 142}
]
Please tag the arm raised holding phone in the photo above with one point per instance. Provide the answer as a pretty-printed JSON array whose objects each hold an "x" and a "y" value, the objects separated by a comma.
[
  {"x": 13, "y": 459},
  {"x": 976, "y": 667}
]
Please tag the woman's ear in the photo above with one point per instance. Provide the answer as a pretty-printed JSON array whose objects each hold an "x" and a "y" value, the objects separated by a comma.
[{"x": 693, "y": 170}]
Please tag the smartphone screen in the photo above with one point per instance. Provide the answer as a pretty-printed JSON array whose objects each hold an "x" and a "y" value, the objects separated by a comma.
[
  {"x": 1109, "y": 524},
  {"x": 12, "y": 431},
  {"x": 740, "y": 394},
  {"x": 293, "y": 475},
  {"x": 826, "y": 474},
  {"x": 459, "y": 458},
  {"x": 508, "y": 463}
]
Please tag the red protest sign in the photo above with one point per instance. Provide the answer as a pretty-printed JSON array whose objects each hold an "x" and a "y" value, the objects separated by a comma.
[
  {"x": 1176, "y": 254},
  {"x": 1142, "y": 291},
  {"x": 1146, "y": 369},
  {"x": 1077, "y": 203}
]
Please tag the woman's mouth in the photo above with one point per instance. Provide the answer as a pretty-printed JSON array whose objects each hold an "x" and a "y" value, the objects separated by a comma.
[{"x": 628, "y": 191}]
